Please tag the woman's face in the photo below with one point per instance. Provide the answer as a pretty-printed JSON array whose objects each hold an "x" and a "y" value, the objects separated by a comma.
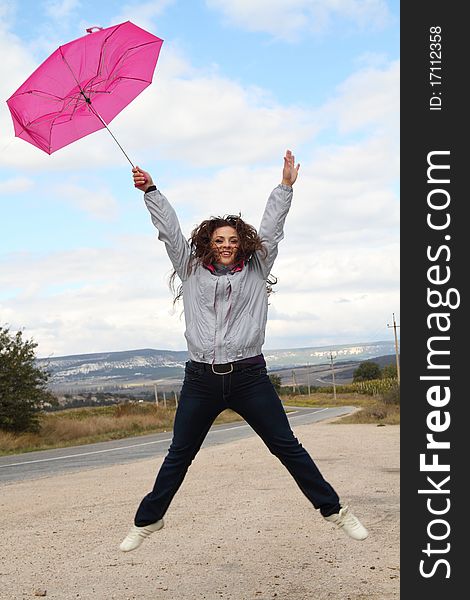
[{"x": 225, "y": 242}]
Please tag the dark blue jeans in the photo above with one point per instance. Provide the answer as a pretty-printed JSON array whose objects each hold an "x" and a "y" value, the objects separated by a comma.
[{"x": 250, "y": 393}]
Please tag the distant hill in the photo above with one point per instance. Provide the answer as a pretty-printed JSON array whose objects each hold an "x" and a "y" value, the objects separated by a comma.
[
  {"x": 344, "y": 372},
  {"x": 384, "y": 361},
  {"x": 112, "y": 371}
]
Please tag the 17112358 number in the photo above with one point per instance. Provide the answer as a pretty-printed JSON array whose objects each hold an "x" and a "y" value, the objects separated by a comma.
[
  {"x": 435, "y": 66},
  {"x": 435, "y": 48}
]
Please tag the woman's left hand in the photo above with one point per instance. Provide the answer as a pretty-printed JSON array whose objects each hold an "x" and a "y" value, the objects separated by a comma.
[{"x": 290, "y": 171}]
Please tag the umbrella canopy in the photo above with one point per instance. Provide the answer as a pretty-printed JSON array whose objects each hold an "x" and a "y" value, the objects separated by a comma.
[{"x": 83, "y": 85}]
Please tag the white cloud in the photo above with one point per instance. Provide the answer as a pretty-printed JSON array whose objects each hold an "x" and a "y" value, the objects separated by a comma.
[
  {"x": 322, "y": 320},
  {"x": 58, "y": 10},
  {"x": 91, "y": 299},
  {"x": 338, "y": 270},
  {"x": 15, "y": 185},
  {"x": 288, "y": 20},
  {"x": 344, "y": 195},
  {"x": 17, "y": 64},
  {"x": 16, "y": 60},
  {"x": 97, "y": 201},
  {"x": 209, "y": 120},
  {"x": 369, "y": 97},
  {"x": 7, "y": 9},
  {"x": 141, "y": 13}
]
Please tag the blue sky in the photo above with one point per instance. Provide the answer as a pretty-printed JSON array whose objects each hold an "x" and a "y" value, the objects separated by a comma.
[{"x": 236, "y": 84}]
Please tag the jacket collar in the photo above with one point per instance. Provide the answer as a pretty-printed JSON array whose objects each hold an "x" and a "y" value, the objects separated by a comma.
[{"x": 238, "y": 266}]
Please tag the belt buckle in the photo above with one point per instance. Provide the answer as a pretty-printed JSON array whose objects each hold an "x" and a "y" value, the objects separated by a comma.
[{"x": 225, "y": 372}]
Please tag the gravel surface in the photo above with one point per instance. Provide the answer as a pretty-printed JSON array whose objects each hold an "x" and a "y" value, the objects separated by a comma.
[{"x": 238, "y": 529}]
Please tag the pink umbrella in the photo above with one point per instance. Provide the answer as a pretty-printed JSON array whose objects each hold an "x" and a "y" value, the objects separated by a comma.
[{"x": 83, "y": 85}]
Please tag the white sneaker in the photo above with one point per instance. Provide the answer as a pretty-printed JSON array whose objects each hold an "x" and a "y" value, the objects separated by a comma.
[
  {"x": 137, "y": 535},
  {"x": 349, "y": 523}
]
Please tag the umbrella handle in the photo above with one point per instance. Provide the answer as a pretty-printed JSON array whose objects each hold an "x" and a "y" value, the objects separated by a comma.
[{"x": 93, "y": 29}]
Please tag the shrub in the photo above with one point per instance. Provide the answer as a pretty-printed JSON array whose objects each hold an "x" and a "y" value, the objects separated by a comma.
[
  {"x": 390, "y": 371},
  {"x": 367, "y": 370},
  {"x": 392, "y": 396}
]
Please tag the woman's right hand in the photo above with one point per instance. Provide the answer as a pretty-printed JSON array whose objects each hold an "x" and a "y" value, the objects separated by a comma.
[{"x": 142, "y": 179}]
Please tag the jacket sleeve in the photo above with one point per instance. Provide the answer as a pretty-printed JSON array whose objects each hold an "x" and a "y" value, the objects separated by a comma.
[
  {"x": 169, "y": 231},
  {"x": 271, "y": 229}
]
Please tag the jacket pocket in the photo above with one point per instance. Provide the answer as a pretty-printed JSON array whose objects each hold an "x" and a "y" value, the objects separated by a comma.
[
  {"x": 246, "y": 332},
  {"x": 199, "y": 339}
]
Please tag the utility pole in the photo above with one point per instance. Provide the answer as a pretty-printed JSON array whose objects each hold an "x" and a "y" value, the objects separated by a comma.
[
  {"x": 333, "y": 374},
  {"x": 308, "y": 378},
  {"x": 293, "y": 382},
  {"x": 156, "y": 393},
  {"x": 397, "y": 355},
  {"x": 164, "y": 399},
  {"x": 176, "y": 399}
]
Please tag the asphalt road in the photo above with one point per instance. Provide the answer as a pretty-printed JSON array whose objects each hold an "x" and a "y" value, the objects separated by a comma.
[{"x": 31, "y": 465}]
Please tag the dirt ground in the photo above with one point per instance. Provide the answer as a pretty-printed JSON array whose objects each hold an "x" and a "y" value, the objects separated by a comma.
[{"x": 238, "y": 529}]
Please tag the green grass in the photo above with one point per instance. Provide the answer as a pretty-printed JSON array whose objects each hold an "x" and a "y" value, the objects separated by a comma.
[
  {"x": 77, "y": 426},
  {"x": 373, "y": 409}
]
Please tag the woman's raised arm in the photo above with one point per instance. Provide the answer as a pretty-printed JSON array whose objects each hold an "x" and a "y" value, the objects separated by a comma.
[{"x": 165, "y": 220}]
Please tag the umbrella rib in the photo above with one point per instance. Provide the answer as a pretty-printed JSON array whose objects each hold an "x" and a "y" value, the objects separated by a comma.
[
  {"x": 54, "y": 115},
  {"x": 101, "y": 58},
  {"x": 128, "y": 50},
  {"x": 40, "y": 93},
  {"x": 57, "y": 116},
  {"x": 82, "y": 91},
  {"x": 88, "y": 100},
  {"x": 66, "y": 101},
  {"x": 120, "y": 61},
  {"x": 95, "y": 92}
]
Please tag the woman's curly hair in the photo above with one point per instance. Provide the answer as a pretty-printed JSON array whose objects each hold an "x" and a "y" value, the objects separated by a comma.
[
  {"x": 202, "y": 251},
  {"x": 200, "y": 240}
]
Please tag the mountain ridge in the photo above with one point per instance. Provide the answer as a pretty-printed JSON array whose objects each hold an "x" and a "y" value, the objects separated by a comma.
[{"x": 145, "y": 367}]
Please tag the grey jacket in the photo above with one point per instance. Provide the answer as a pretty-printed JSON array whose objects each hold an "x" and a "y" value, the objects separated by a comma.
[{"x": 225, "y": 315}]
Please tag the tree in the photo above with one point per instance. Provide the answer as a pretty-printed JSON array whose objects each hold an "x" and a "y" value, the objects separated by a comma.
[
  {"x": 23, "y": 385},
  {"x": 389, "y": 371},
  {"x": 367, "y": 370}
]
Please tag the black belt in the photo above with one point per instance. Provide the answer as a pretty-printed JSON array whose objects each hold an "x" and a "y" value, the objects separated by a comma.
[{"x": 226, "y": 368}]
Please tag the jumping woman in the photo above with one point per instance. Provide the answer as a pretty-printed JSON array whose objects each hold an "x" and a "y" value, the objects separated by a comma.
[{"x": 224, "y": 270}]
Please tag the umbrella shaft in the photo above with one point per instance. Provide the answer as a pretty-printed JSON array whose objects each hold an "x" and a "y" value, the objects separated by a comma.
[{"x": 109, "y": 130}]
